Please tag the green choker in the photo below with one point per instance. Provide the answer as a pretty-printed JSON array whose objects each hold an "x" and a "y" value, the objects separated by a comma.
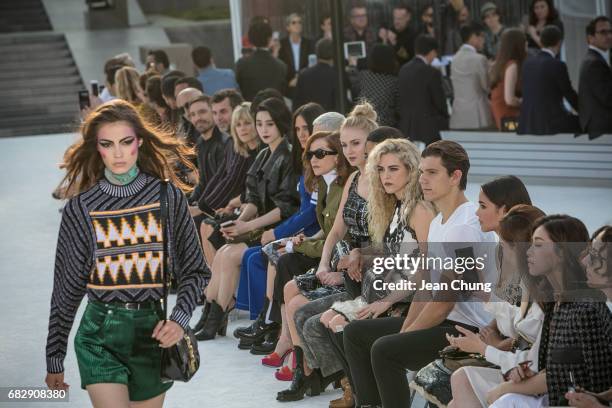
[{"x": 122, "y": 179}]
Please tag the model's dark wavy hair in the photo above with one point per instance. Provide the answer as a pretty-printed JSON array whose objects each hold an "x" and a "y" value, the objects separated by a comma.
[
  {"x": 553, "y": 14},
  {"x": 158, "y": 155}
]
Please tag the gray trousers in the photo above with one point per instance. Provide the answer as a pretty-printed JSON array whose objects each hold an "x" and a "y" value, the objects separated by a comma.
[{"x": 318, "y": 350}]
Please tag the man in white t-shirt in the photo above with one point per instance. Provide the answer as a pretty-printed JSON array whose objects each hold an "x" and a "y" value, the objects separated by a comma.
[{"x": 380, "y": 351}]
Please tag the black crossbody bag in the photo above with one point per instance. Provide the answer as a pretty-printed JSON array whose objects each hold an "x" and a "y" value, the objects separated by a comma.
[{"x": 181, "y": 361}]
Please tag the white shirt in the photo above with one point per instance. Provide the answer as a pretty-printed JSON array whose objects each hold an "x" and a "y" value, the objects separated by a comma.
[
  {"x": 604, "y": 54},
  {"x": 445, "y": 238},
  {"x": 295, "y": 47},
  {"x": 329, "y": 178}
]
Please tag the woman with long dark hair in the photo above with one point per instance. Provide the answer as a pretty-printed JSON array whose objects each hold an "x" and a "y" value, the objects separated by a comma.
[
  {"x": 110, "y": 247},
  {"x": 516, "y": 327},
  {"x": 541, "y": 14},
  {"x": 506, "y": 77},
  {"x": 575, "y": 348}
]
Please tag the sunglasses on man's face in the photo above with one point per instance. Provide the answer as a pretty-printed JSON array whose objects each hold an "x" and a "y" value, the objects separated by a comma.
[{"x": 319, "y": 154}]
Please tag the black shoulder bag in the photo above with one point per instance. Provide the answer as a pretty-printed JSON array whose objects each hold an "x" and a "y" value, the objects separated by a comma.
[{"x": 181, "y": 361}]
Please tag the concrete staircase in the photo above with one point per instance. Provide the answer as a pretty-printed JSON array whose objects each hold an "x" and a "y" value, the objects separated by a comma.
[
  {"x": 39, "y": 84},
  {"x": 23, "y": 15}
]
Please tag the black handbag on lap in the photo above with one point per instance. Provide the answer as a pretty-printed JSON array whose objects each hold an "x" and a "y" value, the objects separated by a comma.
[{"x": 181, "y": 361}]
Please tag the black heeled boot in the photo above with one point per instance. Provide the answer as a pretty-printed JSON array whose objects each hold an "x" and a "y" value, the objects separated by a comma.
[
  {"x": 302, "y": 383},
  {"x": 267, "y": 344},
  {"x": 200, "y": 325},
  {"x": 216, "y": 323},
  {"x": 240, "y": 332}
]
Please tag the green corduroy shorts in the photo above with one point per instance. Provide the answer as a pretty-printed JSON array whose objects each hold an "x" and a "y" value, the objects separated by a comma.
[{"x": 114, "y": 345}]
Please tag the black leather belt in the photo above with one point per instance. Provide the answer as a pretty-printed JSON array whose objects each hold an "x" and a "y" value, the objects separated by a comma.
[{"x": 150, "y": 305}]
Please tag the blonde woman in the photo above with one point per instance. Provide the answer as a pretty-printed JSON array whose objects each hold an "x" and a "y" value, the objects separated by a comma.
[{"x": 398, "y": 218}]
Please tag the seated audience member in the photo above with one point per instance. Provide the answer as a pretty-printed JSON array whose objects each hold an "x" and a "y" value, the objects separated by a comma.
[
  {"x": 489, "y": 14},
  {"x": 506, "y": 342},
  {"x": 542, "y": 13},
  {"x": 379, "y": 351},
  {"x": 378, "y": 84},
  {"x": 598, "y": 263},
  {"x": 261, "y": 69},
  {"x": 322, "y": 350},
  {"x": 319, "y": 83},
  {"x": 270, "y": 198},
  {"x": 470, "y": 77},
  {"x": 545, "y": 82},
  {"x": 187, "y": 82},
  {"x": 158, "y": 61},
  {"x": 575, "y": 348},
  {"x": 294, "y": 51},
  {"x": 127, "y": 86},
  {"x": 110, "y": 69},
  {"x": 157, "y": 101},
  {"x": 210, "y": 146},
  {"x": 169, "y": 81},
  {"x": 402, "y": 228},
  {"x": 223, "y": 104},
  {"x": 359, "y": 30},
  {"x": 252, "y": 292},
  {"x": 213, "y": 79},
  {"x": 595, "y": 87},
  {"x": 186, "y": 128},
  {"x": 326, "y": 171},
  {"x": 505, "y": 79},
  {"x": 262, "y": 335},
  {"x": 421, "y": 104}
]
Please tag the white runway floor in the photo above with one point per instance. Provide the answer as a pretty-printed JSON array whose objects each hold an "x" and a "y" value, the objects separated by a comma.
[{"x": 228, "y": 377}]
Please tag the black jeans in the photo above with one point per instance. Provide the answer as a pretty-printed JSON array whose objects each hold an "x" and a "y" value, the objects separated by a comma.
[{"x": 378, "y": 356}]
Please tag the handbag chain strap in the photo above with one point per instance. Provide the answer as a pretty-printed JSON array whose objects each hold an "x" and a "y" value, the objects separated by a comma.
[{"x": 163, "y": 203}]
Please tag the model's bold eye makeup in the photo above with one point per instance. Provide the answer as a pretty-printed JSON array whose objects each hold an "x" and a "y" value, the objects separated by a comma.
[
  {"x": 128, "y": 141},
  {"x": 105, "y": 144}
]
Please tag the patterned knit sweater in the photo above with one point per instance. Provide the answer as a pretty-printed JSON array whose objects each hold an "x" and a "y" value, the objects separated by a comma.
[{"x": 110, "y": 246}]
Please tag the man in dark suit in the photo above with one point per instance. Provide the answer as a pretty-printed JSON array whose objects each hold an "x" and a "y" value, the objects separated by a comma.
[
  {"x": 318, "y": 83},
  {"x": 260, "y": 70},
  {"x": 294, "y": 51},
  {"x": 545, "y": 83},
  {"x": 595, "y": 88},
  {"x": 421, "y": 103}
]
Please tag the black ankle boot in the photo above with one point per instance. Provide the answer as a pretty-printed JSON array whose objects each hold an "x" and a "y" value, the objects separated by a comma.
[
  {"x": 216, "y": 323},
  {"x": 243, "y": 331},
  {"x": 200, "y": 324},
  {"x": 301, "y": 384},
  {"x": 268, "y": 344}
]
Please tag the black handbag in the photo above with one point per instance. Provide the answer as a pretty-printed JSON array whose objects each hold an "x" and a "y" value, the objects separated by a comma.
[{"x": 181, "y": 361}]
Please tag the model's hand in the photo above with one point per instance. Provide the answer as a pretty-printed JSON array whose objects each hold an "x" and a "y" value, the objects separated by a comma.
[
  {"x": 373, "y": 310},
  {"x": 168, "y": 333},
  {"x": 55, "y": 381}
]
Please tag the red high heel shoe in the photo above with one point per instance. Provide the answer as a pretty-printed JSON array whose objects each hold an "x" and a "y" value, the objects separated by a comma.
[
  {"x": 274, "y": 360},
  {"x": 284, "y": 374}
]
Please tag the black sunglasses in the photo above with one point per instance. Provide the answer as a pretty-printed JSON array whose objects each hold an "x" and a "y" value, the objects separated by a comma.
[{"x": 320, "y": 154}]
